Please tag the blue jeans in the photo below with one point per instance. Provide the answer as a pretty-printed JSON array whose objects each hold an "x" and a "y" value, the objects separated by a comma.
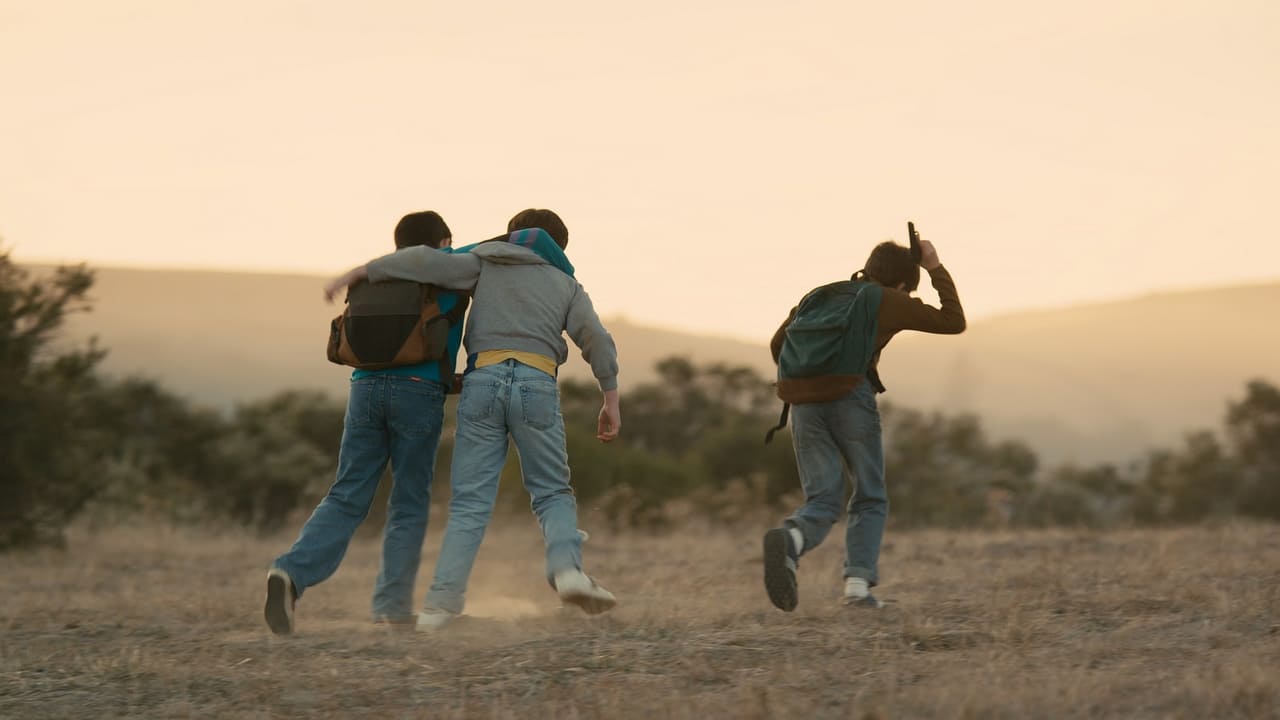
[
  {"x": 830, "y": 439},
  {"x": 515, "y": 400},
  {"x": 388, "y": 418}
]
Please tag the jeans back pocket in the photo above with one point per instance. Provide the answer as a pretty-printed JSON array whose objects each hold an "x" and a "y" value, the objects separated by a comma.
[{"x": 541, "y": 404}]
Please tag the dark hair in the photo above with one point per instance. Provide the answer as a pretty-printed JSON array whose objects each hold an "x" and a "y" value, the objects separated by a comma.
[
  {"x": 544, "y": 219},
  {"x": 890, "y": 264},
  {"x": 421, "y": 228}
]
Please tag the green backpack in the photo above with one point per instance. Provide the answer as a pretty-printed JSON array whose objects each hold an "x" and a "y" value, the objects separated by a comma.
[{"x": 833, "y": 333}]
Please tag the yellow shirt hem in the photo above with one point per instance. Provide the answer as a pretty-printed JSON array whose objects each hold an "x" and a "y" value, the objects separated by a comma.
[{"x": 533, "y": 360}]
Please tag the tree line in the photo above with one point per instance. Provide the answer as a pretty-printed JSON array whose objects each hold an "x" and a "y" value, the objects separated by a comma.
[{"x": 73, "y": 441}]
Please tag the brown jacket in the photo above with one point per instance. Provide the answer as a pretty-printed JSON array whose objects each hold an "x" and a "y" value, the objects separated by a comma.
[{"x": 898, "y": 311}]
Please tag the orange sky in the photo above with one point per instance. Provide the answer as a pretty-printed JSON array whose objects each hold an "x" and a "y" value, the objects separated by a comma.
[{"x": 713, "y": 160}]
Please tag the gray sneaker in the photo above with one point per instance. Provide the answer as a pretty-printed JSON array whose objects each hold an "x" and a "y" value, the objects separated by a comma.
[
  {"x": 780, "y": 562},
  {"x": 282, "y": 597}
]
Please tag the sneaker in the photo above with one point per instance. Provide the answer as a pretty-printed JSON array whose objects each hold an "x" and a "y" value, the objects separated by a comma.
[
  {"x": 577, "y": 588},
  {"x": 281, "y": 599},
  {"x": 396, "y": 622},
  {"x": 432, "y": 619},
  {"x": 866, "y": 601},
  {"x": 583, "y": 536},
  {"x": 780, "y": 561},
  {"x": 857, "y": 593}
]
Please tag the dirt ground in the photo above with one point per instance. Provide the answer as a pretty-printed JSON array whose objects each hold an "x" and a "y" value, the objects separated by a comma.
[{"x": 156, "y": 622}]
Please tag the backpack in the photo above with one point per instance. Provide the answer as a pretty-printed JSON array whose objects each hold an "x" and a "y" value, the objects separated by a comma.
[
  {"x": 832, "y": 333},
  {"x": 395, "y": 323}
]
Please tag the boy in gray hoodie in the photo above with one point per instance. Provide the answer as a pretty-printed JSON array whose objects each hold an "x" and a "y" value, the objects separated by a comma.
[{"x": 523, "y": 303}]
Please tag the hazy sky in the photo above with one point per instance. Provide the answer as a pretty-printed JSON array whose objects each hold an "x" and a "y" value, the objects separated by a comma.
[{"x": 713, "y": 160}]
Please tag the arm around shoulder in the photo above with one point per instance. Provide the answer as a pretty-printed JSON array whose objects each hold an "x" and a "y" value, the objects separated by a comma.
[{"x": 457, "y": 271}]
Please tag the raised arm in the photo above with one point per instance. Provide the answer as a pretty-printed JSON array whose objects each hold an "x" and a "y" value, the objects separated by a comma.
[{"x": 900, "y": 311}]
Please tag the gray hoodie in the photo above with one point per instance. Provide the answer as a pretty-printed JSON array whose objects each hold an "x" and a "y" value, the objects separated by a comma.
[{"x": 521, "y": 302}]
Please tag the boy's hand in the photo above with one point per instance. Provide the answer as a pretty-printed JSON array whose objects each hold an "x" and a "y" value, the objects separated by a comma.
[
  {"x": 344, "y": 281},
  {"x": 610, "y": 423},
  {"x": 331, "y": 289},
  {"x": 928, "y": 256}
]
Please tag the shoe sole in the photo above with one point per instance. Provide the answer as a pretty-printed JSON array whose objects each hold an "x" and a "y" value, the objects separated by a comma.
[
  {"x": 590, "y": 604},
  {"x": 870, "y": 602},
  {"x": 276, "y": 610},
  {"x": 779, "y": 580}
]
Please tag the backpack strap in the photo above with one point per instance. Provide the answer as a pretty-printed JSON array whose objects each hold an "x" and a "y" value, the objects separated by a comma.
[
  {"x": 453, "y": 317},
  {"x": 782, "y": 422}
]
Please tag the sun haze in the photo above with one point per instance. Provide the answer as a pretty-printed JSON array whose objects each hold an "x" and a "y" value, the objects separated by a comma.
[{"x": 713, "y": 160}]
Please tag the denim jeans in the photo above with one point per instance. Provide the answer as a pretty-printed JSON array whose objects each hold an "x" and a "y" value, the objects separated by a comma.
[
  {"x": 515, "y": 400},
  {"x": 388, "y": 418},
  {"x": 832, "y": 439}
]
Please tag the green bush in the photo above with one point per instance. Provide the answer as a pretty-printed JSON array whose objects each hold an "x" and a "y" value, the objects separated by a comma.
[{"x": 52, "y": 451}]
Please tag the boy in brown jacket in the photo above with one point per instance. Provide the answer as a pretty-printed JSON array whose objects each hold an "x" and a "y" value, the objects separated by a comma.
[{"x": 836, "y": 425}]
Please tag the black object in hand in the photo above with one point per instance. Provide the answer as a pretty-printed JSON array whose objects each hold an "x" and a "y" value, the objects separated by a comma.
[{"x": 915, "y": 241}]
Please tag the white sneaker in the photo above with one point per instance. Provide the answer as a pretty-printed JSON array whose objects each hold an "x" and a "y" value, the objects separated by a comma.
[
  {"x": 576, "y": 588},
  {"x": 857, "y": 593},
  {"x": 432, "y": 619},
  {"x": 856, "y": 588}
]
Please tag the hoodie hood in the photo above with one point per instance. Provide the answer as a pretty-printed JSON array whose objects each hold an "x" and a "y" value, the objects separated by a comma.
[{"x": 505, "y": 253}]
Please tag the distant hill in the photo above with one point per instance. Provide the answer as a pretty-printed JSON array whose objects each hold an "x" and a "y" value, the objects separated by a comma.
[
  {"x": 220, "y": 338},
  {"x": 1089, "y": 383},
  {"x": 1101, "y": 381}
]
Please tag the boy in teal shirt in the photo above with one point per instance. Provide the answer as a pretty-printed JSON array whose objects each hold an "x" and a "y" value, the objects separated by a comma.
[{"x": 393, "y": 415}]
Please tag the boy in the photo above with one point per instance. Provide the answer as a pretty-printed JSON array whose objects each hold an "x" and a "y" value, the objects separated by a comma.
[
  {"x": 392, "y": 415},
  {"x": 836, "y": 425},
  {"x": 525, "y": 298}
]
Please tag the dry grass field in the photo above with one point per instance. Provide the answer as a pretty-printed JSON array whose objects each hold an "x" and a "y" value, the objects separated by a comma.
[{"x": 150, "y": 622}]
